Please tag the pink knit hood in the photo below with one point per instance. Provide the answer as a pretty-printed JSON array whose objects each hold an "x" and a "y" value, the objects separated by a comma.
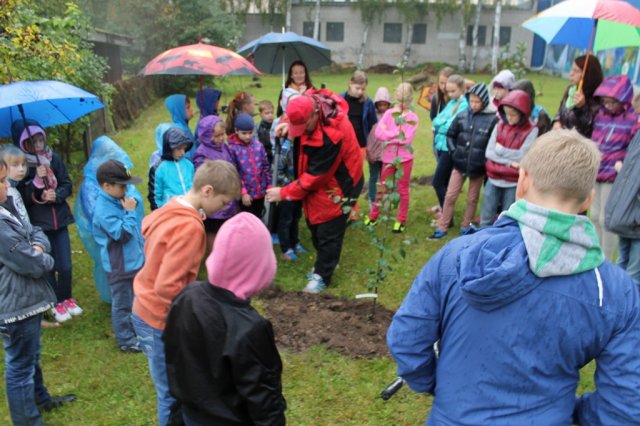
[{"x": 242, "y": 260}]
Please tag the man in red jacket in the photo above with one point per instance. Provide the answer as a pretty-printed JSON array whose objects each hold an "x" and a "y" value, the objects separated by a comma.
[{"x": 329, "y": 174}]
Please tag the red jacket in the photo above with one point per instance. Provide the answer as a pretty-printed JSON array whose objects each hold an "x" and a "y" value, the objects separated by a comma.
[{"x": 329, "y": 163}]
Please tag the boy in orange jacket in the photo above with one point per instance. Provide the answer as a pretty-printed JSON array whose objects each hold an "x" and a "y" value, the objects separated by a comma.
[{"x": 174, "y": 246}]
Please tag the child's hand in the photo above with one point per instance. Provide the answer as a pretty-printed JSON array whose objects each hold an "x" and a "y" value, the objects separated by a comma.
[
  {"x": 246, "y": 200},
  {"x": 49, "y": 195},
  {"x": 37, "y": 248},
  {"x": 129, "y": 203},
  {"x": 618, "y": 166},
  {"x": 41, "y": 171}
]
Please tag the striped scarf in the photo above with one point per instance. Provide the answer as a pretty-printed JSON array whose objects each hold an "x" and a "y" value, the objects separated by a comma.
[{"x": 557, "y": 243}]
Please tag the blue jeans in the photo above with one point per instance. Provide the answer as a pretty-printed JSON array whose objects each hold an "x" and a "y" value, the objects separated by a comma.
[
  {"x": 150, "y": 340},
  {"x": 25, "y": 387},
  {"x": 629, "y": 257},
  {"x": 121, "y": 301},
  {"x": 494, "y": 201},
  {"x": 61, "y": 253},
  {"x": 374, "y": 174}
]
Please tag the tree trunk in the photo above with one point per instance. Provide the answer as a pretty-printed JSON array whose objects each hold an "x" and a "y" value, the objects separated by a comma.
[
  {"x": 462, "y": 45},
  {"x": 316, "y": 22},
  {"x": 496, "y": 38},
  {"x": 474, "y": 36},
  {"x": 407, "y": 47},
  {"x": 363, "y": 46},
  {"x": 287, "y": 22}
]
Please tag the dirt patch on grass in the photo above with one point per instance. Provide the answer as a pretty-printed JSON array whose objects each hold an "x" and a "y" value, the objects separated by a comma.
[
  {"x": 302, "y": 320},
  {"x": 422, "y": 180}
]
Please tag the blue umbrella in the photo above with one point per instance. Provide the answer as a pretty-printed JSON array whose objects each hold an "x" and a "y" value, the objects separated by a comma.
[
  {"x": 278, "y": 50},
  {"x": 48, "y": 102}
]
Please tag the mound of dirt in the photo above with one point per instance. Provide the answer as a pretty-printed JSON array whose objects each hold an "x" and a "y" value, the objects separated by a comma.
[
  {"x": 382, "y": 69},
  {"x": 422, "y": 180},
  {"x": 301, "y": 320}
]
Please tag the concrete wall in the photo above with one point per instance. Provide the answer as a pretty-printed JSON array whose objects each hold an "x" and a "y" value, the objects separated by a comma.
[{"x": 441, "y": 41}]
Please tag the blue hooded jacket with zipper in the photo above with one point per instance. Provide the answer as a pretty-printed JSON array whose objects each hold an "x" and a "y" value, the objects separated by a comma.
[
  {"x": 176, "y": 105},
  {"x": 511, "y": 344}
]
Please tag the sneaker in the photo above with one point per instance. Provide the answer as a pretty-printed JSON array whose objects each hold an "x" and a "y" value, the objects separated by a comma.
[
  {"x": 310, "y": 275},
  {"x": 56, "y": 402},
  {"x": 290, "y": 255},
  {"x": 135, "y": 348},
  {"x": 275, "y": 240},
  {"x": 399, "y": 227},
  {"x": 368, "y": 221},
  {"x": 468, "y": 230},
  {"x": 437, "y": 234},
  {"x": 71, "y": 307},
  {"x": 315, "y": 285},
  {"x": 299, "y": 249},
  {"x": 60, "y": 313}
]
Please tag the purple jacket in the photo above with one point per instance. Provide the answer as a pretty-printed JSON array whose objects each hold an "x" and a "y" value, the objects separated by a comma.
[
  {"x": 612, "y": 132},
  {"x": 253, "y": 166},
  {"x": 207, "y": 150}
]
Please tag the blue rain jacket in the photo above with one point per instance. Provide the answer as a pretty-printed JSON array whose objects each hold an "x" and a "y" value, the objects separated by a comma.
[
  {"x": 176, "y": 106},
  {"x": 511, "y": 344}
]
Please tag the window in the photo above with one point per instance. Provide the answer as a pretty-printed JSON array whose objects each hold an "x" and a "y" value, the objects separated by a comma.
[
  {"x": 392, "y": 33},
  {"x": 482, "y": 35},
  {"x": 335, "y": 31},
  {"x": 505, "y": 36},
  {"x": 307, "y": 29},
  {"x": 419, "y": 34}
]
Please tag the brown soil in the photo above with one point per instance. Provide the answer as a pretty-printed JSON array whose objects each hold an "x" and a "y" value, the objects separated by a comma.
[
  {"x": 422, "y": 180},
  {"x": 301, "y": 320}
]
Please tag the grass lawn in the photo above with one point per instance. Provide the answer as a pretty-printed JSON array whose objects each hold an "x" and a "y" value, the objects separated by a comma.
[{"x": 321, "y": 387}]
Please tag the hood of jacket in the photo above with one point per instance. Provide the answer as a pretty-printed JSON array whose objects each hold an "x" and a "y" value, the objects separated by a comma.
[
  {"x": 333, "y": 110},
  {"x": 242, "y": 260},
  {"x": 173, "y": 138},
  {"x": 207, "y": 101},
  {"x": 505, "y": 78},
  {"x": 18, "y": 128},
  {"x": 382, "y": 95},
  {"x": 618, "y": 87},
  {"x": 176, "y": 106},
  {"x": 517, "y": 99},
  {"x": 205, "y": 130},
  {"x": 169, "y": 217}
]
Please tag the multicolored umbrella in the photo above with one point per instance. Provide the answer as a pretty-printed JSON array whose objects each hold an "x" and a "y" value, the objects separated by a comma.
[
  {"x": 588, "y": 24},
  {"x": 199, "y": 59}
]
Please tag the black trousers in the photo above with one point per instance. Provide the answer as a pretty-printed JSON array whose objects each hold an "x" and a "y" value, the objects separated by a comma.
[
  {"x": 327, "y": 239},
  {"x": 256, "y": 208},
  {"x": 289, "y": 213},
  {"x": 442, "y": 174}
]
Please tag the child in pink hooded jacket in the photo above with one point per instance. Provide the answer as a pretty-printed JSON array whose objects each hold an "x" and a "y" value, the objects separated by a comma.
[{"x": 397, "y": 152}]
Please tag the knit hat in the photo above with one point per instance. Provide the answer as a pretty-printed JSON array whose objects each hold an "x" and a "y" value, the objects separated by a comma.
[
  {"x": 480, "y": 90},
  {"x": 242, "y": 260},
  {"x": 299, "y": 111},
  {"x": 244, "y": 122},
  {"x": 382, "y": 95}
]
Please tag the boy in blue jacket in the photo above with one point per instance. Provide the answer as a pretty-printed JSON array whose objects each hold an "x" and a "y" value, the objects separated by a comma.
[
  {"x": 519, "y": 308},
  {"x": 117, "y": 233},
  {"x": 174, "y": 175}
]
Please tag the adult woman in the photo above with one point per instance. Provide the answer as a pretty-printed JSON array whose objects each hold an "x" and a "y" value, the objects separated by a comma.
[
  {"x": 297, "y": 79},
  {"x": 577, "y": 108}
]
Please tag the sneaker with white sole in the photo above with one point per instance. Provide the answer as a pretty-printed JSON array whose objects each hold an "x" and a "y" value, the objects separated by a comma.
[
  {"x": 290, "y": 255},
  {"x": 299, "y": 249},
  {"x": 72, "y": 307},
  {"x": 315, "y": 285},
  {"x": 60, "y": 313}
]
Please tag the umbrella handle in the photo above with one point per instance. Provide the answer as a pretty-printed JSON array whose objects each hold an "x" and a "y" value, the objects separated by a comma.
[{"x": 586, "y": 61}]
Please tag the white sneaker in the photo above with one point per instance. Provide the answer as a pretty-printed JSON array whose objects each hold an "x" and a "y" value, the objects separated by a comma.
[
  {"x": 315, "y": 285},
  {"x": 60, "y": 313},
  {"x": 71, "y": 307}
]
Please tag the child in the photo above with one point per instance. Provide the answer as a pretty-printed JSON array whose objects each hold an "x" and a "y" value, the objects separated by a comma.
[
  {"x": 524, "y": 305},
  {"x": 614, "y": 125},
  {"x": 396, "y": 146},
  {"x": 374, "y": 145},
  {"x": 509, "y": 141},
  {"x": 539, "y": 115},
  {"x": 24, "y": 296},
  {"x": 251, "y": 160},
  {"x": 213, "y": 147},
  {"x": 362, "y": 112},
  {"x": 440, "y": 99},
  {"x": 467, "y": 138},
  {"x": 44, "y": 191},
  {"x": 264, "y": 128},
  {"x": 179, "y": 106},
  {"x": 117, "y": 233},
  {"x": 501, "y": 85},
  {"x": 457, "y": 103},
  {"x": 243, "y": 102},
  {"x": 174, "y": 245},
  {"x": 16, "y": 172},
  {"x": 174, "y": 173},
  {"x": 289, "y": 212},
  {"x": 222, "y": 361}
]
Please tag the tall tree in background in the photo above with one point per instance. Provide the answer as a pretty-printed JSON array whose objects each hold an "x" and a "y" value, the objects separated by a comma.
[
  {"x": 465, "y": 16},
  {"x": 288, "y": 16},
  {"x": 412, "y": 11},
  {"x": 370, "y": 10},
  {"x": 316, "y": 21},
  {"x": 474, "y": 36},
  {"x": 495, "y": 52}
]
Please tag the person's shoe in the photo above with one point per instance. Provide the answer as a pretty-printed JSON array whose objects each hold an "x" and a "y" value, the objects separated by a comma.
[
  {"x": 437, "y": 235},
  {"x": 299, "y": 249},
  {"x": 398, "y": 228},
  {"x": 310, "y": 275},
  {"x": 468, "y": 230},
  {"x": 315, "y": 285},
  {"x": 72, "y": 307},
  {"x": 368, "y": 221},
  {"x": 60, "y": 313},
  {"x": 290, "y": 255},
  {"x": 130, "y": 348},
  {"x": 275, "y": 240},
  {"x": 56, "y": 402}
]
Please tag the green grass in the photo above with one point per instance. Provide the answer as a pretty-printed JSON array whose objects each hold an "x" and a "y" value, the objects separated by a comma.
[{"x": 321, "y": 387}]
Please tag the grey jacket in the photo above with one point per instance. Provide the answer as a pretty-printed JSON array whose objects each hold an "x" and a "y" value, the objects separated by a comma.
[
  {"x": 24, "y": 291},
  {"x": 622, "y": 210}
]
